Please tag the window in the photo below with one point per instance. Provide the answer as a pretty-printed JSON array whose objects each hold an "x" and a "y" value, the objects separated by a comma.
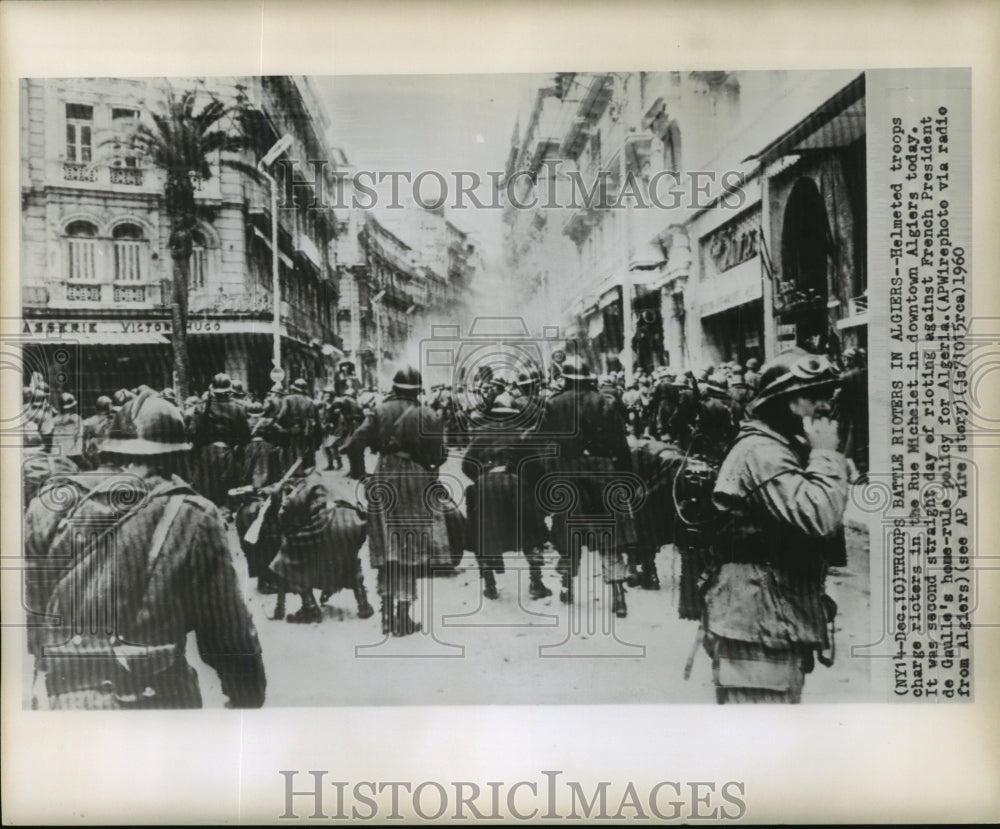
[
  {"x": 129, "y": 244},
  {"x": 199, "y": 261},
  {"x": 81, "y": 246},
  {"x": 123, "y": 123},
  {"x": 79, "y": 133}
]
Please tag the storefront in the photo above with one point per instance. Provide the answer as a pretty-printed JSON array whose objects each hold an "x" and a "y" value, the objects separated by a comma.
[
  {"x": 94, "y": 357},
  {"x": 731, "y": 291}
]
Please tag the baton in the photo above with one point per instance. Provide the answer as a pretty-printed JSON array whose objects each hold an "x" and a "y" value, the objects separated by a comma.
[{"x": 253, "y": 531}]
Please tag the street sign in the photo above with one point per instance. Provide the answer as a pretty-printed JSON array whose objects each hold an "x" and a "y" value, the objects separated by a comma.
[{"x": 277, "y": 374}]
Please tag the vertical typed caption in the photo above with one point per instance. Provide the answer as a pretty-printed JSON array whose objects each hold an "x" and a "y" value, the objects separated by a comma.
[{"x": 930, "y": 541}]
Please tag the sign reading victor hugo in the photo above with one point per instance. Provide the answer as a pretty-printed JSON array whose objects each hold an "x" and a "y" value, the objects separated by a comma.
[{"x": 653, "y": 390}]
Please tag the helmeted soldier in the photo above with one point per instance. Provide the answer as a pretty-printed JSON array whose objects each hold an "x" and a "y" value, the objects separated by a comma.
[
  {"x": 715, "y": 426},
  {"x": 169, "y": 573},
  {"x": 95, "y": 430},
  {"x": 321, "y": 539},
  {"x": 299, "y": 421},
  {"x": 590, "y": 436},
  {"x": 501, "y": 516},
  {"x": 220, "y": 430},
  {"x": 406, "y": 533},
  {"x": 39, "y": 465},
  {"x": 781, "y": 495},
  {"x": 67, "y": 430}
]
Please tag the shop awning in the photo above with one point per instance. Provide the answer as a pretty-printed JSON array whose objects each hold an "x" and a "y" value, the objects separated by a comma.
[
  {"x": 610, "y": 297},
  {"x": 118, "y": 338},
  {"x": 836, "y": 123}
]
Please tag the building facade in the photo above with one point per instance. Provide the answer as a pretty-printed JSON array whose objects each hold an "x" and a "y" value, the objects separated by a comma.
[
  {"x": 96, "y": 268},
  {"x": 713, "y": 216}
]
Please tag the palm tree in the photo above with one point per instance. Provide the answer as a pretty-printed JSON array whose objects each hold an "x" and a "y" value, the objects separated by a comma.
[{"x": 182, "y": 142}]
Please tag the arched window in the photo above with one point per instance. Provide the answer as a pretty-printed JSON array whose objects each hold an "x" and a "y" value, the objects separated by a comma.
[
  {"x": 805, "y": 239},
  {"x": 199, "y": 261},
  {"x": 130, "y": 253},
  {"x": 81, "y": 246}
]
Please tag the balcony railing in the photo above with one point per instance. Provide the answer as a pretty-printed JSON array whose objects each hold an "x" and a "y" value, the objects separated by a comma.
[
  {"x": 131, "y": 176},
  {"x": 79, "y": 172}
]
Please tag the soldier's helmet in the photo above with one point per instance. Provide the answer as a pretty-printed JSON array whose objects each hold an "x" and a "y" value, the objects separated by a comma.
[
  {"x": 407, "y": 380},
  {"x": 717, "y": 384},
  {"x": 121, "y": 397},
  {"x": 575, "y": 371},
  {"x": 255, "y": 408},
  {"x": 300, "y": 386},
  {"x": 221, "y": 384},
  {"x": 66, "y": 402},
  {"x": 753, "y": 364},
  {"x": 795, "y": 371},
  {"x": 169, "y": 395},
  {"x": 147, "y": 425},
  {"x": 103, "y": 403}
]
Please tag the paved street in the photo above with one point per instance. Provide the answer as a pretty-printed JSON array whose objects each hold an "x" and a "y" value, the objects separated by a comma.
[{"x": 517, "y": 650}]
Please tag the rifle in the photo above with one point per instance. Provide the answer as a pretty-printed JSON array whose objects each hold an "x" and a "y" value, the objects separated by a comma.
[{"x": 253, "y": 532}]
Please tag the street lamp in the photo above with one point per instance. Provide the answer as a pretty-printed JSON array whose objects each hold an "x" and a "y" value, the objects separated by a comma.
[
  {"x": 272, "y": 155},
  {"x": 377, "y": 307}
]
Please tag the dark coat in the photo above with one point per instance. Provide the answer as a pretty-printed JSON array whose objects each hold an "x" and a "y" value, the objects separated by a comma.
[
  {"x": 590, "y": 480},
  {"x": 321, "y": 538},
  {"x": 220, "y": 429},
  {"x": 299, "y": 422},
  {"x": 192, "y": 587},
  {"x": 501, "y": 515},
  {"x": 409, "y": 517}
]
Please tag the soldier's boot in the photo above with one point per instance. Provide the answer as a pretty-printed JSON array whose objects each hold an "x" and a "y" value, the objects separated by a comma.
[
  {"x": 365, "y": 610},
  {"x": 633, "y": 579},
  {"x": 489, "y": 584},
  {"x": 566, "y": 594},
  {"x": 650, "y": 578},
  {"x": 387, "y": 615},
  {"x": 618, "y": 606},
  {"x": 536, "y": 587},
  {"x": 279, "y": 605},
  {"x": 324, "y": 596},
  {"x": 308, "y": 613},
  {"x": 403, "y": 624}
]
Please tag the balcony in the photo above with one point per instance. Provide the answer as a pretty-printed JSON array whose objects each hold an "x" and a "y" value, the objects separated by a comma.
[{"x": 100, "y": 175}]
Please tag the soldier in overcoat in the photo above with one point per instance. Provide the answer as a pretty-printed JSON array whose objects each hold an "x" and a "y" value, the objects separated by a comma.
[
  {"x": 407, "y": 525},
  {"x": 139, "y": 550},
  {"x": 588, "y": 432}
]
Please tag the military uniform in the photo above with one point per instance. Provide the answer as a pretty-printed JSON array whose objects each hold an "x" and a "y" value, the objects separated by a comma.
[
  {"x": 588, "y": 431},
  {"x": 407, "y": 527},
  {"x": 190, "y": 586},
  {"x": 298, "y": 419},
  {"x": 320, "y": 544},
  {"x": 503, "y": 515},
  {"x": 220, "y": 429}
]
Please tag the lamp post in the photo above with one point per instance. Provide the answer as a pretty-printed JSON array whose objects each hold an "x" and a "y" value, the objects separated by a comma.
[
  {"x": 377, "y": 308},
  {"x": 272, "y": 155}
]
